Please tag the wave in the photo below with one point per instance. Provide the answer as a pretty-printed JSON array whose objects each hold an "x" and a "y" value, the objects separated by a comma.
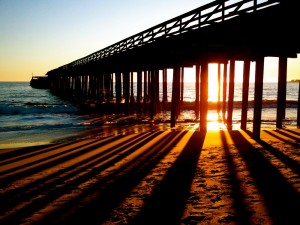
[
  {"x": 45, "y": 108},
  {"x": 36, "y": 108},
  {"x": 46, "y": 126}
]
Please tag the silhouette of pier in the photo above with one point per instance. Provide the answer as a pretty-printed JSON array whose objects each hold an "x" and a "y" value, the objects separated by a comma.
[{"x": 223, "y": 32}]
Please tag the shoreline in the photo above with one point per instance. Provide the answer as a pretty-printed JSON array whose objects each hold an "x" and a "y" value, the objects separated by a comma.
[{"x": 105, "y": 126}]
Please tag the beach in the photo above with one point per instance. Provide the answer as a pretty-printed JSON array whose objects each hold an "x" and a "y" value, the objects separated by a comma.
[
  {"x": 192, "y": 121},
  {"x": 149, "y": 174}
]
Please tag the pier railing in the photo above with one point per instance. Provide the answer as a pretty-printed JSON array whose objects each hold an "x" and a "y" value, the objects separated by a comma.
[{"x": 214, "y": 12}]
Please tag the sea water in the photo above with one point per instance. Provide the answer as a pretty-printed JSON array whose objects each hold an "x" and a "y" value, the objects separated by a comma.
[
  {"x": 34, "y": 116},
  {"x": 269, "y": 107},
  {"x": 30, "y": 116}
]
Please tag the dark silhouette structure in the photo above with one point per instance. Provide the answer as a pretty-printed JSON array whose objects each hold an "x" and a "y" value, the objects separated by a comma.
[{"x": 222, "y": 32}]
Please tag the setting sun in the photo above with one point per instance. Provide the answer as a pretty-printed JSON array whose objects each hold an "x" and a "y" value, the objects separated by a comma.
[{"x": 189, "y": 77}]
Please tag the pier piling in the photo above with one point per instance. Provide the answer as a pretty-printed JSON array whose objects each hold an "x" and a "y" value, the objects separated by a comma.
[{"x": 189, "y": 39}]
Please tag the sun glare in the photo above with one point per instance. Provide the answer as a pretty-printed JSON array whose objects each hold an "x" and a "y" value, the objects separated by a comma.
[
  {"x": 213, "y": 83},
  {"x": 212, "y": 80}
]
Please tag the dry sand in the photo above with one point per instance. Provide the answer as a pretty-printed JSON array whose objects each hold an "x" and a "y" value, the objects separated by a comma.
[{"x": 155, "y": 176}]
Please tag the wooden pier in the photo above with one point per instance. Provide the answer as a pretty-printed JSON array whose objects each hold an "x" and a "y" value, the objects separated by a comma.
[{"x": 220, "y": 32}]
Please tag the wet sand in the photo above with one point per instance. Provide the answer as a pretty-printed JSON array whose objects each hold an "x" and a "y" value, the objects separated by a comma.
[{"x": 152, "y": 175}]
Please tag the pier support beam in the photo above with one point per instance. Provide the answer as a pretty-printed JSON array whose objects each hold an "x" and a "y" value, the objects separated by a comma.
[
  {"x": 107, "y": 87},
  {"x": 181, "y": 90},
  {"x": 145, "y": 88},
  {"x": 139, "y": 90},
  {"x": 131, "y": 91},
  {"x": 258, "y": 92},
  {"x": 149, "y": 85},
  {"x": 181, "y": 84},
  {"x": 165, "y": 87},
  {"x": 78, "y": 86},
  {"x": 156, "y": 85},
  {"x": 204, "y": 97},
  {"x": 230, "y": 94},
  {"x": 224, "y": 104},
  {"x": 175, "y": 94},
  {"x": 118, "y": 89},
  {"x": 154, "y": 93},
  {"x": 126, "y": 86},
  {"x": 90, "y": 85},
  {"x": 86, "y": 86},
  {"x": 281, "y": 93},
  {"x": 197, "y": 99},
  {"x": 245, "y": 95},
  {"x": 111, "y": 86},
  {"x": 219, "y": 89},
  {"x": 101, "y": 86}
]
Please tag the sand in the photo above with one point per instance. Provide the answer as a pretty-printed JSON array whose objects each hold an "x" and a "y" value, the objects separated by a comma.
[{"x": 155, "y": 176}]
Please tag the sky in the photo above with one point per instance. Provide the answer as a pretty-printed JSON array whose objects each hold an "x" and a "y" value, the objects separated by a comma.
[{"x": 37, "y": 36}]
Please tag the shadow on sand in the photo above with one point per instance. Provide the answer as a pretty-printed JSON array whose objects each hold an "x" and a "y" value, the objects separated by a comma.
[{"x": 84, "y": 182}]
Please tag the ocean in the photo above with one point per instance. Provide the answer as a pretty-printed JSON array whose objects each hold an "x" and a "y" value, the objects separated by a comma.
[{"x": 31, "y": 116}]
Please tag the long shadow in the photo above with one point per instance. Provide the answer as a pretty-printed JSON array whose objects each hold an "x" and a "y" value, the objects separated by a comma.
[
  {"x": 12, "y": 152},
  {"x": 15, "y": 155},
  {"x": 288, "y": 135},
  {"x": 295, "y": 132},
  {"x": 281, "y": 199},
  {"x": 80, "y": 165},
  {"x": 281, "y": 138},
  {"x": 242, "y": 213},
  {"x": 166, "y": 204},
  {"x": 51, "y": 182},
  {"x": 64, "y": 155},
  {"x": 294, "y": 165},
  {"x": 28, "y": 164},
  {"x": 28, "y": 152},
  {"x": 61, "y": 189},
  {"x": 113, "y": 190},
  {"x": 47, "y": 162},
  {"x": 81, "y": 162}
]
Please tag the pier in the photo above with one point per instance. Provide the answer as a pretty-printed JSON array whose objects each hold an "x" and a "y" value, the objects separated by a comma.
[{"x": 222, "y": 32}]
